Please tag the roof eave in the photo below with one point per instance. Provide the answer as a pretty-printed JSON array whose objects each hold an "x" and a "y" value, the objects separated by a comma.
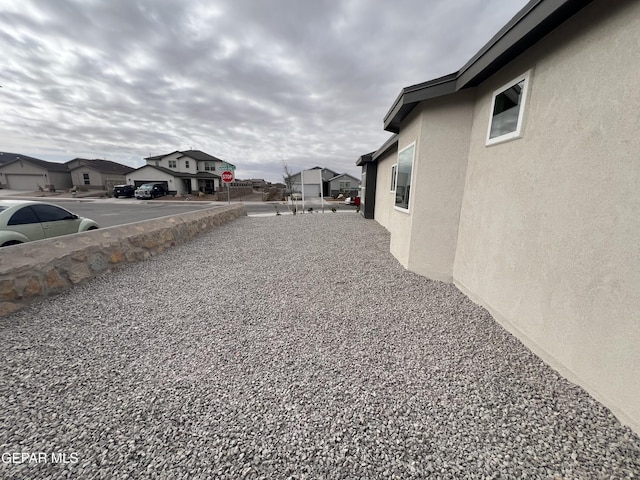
[
  {"x": 535, "y": 20},
  {"x": 391, "y": 143},
  {"x": 367, "y": 158},
  {"x": 411, "y": 96}
]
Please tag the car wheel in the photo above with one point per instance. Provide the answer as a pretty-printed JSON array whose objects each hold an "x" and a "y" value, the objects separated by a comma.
[{"x": 11, "y": 242}]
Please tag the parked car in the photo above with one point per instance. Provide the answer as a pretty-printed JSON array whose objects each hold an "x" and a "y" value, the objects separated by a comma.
[
  {"x": 352, "y": 201},
  {"x": 124, "y": 191},
  {"x": 27, "y": 221},
  {"x": 151, "y": 190}
]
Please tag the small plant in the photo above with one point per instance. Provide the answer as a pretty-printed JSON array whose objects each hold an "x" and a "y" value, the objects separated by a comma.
[
  {"x": 310, "y": 209},
  {"x": 277, "y": 210},
  {"x": 333, "y": 209},
  {"x": 358, "y": 209}
]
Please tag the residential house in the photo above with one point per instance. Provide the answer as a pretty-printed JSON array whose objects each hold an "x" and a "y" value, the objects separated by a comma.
[
  {"x": 21, "y": 172},
  {"x": 97, "y": 174},
  {"x": 320, "y": 182},
  {"x": 185, "y": 172},
  {"x": 345, "y": 184},
  {"x": 516, "y": 178},
  {"x": 259, "y": 183}
]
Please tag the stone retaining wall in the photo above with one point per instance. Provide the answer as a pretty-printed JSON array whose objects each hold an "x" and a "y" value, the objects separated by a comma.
[{"x": 33, "y": 270}]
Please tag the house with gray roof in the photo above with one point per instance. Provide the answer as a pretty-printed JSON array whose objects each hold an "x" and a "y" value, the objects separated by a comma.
[
  {"x": 322, "y": 182},
  {"x": 185, "y": 172},
  {"x": 516, "y": 178},
  {"x": 97, "y": 174},
  {"x": 21, "y": 172}
]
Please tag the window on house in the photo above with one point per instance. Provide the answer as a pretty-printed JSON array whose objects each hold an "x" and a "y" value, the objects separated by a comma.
[
  {"x": 345, "y": 186},
  {"x": 404, "y": 170},
  {"x": 209, "y": 166},
  {"x": 393, "y": 177},
  {"x": 173, "y": 164},
  {"x": 186, "y": 163},
  {"x": 507, "y": 110},
  {"x": 85, "y": 179}
]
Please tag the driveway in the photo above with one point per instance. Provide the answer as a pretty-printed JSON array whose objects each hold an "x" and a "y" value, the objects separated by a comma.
[{"x": 287, "y": 347}]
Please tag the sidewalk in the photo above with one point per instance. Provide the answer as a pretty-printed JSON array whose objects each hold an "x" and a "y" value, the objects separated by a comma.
[{"x": 289, "y": 347}]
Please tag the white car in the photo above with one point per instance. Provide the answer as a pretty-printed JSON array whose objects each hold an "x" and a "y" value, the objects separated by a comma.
[{"x": 26, "y": 221}]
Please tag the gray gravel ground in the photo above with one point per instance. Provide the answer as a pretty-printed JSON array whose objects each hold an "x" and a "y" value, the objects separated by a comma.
[{"x": 288, "y": 347}]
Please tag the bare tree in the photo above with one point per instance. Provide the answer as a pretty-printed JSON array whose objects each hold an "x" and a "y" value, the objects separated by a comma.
[
  {"x": 287, "y": 177},
  {"x": 288, "y": 181}
]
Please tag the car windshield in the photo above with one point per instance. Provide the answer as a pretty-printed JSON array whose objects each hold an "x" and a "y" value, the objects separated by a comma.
[{"x": 146, "y": 186}]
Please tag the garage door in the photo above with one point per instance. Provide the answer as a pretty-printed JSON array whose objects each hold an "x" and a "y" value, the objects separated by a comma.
[
  {"x": 24, "y": 182},
  {"x": 311, "y": 191}
]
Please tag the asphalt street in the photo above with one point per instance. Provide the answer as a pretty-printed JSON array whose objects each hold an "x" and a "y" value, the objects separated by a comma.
[{"x": 109, "y": 212}]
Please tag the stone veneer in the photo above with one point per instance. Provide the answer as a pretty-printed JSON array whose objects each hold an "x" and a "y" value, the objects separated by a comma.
[{"x": 33, "y": 270}]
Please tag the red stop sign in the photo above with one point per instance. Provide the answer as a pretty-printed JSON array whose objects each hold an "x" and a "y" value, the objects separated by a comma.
[{"x": 227, "y": 176}]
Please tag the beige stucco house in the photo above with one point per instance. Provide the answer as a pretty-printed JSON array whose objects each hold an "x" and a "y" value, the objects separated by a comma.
[
  {"x": 97, "y": 174},
  {"x": 322, "y": 182},
  {"x": 517, "y": 179},
  {"x": 185, "y": 172},
  {"x": 21, "y": 172}
]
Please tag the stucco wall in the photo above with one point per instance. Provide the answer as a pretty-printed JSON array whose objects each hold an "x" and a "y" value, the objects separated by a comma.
[
  {"x": 400, "y": 220},
  {"x": 550, "y": 223},
  {"x": 60, "y": 180},
  {"x": 439, "y": 176},
  {"x": 384, "y": 195},
  {"x": 22, "y": 168}
]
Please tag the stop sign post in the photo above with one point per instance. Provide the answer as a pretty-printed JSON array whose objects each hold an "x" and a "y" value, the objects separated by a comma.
[{"x": 227, "y": 177}]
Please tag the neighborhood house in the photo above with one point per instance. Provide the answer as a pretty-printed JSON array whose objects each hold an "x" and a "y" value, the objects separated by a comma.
[
  {"x": 320, "y": 182},
  {"x": 185, "y": 172},
  {"x": 516, "y": 178}
]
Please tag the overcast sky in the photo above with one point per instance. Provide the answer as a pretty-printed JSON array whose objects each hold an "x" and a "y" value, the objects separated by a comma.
[{"x": 253, "y": 82}]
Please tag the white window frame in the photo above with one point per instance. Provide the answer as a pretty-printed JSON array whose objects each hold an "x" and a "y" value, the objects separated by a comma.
[
  {"x": 394, "y": 175},
  {"x": 517, "y": 133},
  {"x": 413, "y": 161},
  {"x": 173, "y": 164}
]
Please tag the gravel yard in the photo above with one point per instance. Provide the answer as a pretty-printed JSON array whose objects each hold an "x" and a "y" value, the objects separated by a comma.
[{"x": 287, "y": 347}]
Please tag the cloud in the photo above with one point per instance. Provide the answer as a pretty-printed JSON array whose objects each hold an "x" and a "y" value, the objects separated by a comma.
[{"x": 252, "y": 82}]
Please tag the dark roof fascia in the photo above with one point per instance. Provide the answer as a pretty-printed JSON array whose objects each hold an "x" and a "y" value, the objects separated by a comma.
[
  {"x": 535, "y": 20},
  {"x": 366, "y": 158},
  {"x": 390, "y": 144},
  {"x": 411, "y": 96}
]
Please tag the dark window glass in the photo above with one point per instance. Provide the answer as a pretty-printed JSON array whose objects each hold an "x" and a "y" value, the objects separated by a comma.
[
  {"x": 51, "y": 213},
  {"x": 506, "y": 111},
  {"x": 24, "y": 216}
]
